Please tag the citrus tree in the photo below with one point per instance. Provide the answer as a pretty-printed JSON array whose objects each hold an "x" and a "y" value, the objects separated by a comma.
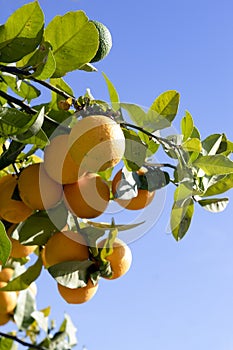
[{"x": 63, "y": 161}]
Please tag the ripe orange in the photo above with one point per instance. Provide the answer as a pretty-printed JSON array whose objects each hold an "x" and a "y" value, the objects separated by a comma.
[
  {"x": 65, "y": 246},
  {"x": 4, "y": 318},
  {"x": 37, "y": 190},
  {"x": 12, "y": 210},
  {"x": 88, "y": 197},
  {"x": 78, "y": 295},
  {"x": 143, "y": 199},
  {"x": 19, "y": 250},
  {"x": 58, "y": 162},
  {"x": 120, "y": 259},
  {"x": 8, "y": 300},
  {"x": 96, "y": 143}
]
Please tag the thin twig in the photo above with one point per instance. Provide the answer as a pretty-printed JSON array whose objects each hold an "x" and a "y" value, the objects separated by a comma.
[
  {"x": 10, "y": 99},
  {"x": 18, "y": 102},
  {"x": 22, "y": 74},
  {"x": 51, "y": 87},
  {"x": 22, "y": 342},
  {"x": 159, "y": 139}
]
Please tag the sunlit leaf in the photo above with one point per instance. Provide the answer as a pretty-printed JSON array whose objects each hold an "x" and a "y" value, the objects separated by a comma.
[
  {"x": 187, "y": 126},
  {"x": 162, "y": 111},
  {"x": 22, "y": 32},
  {"x": 24, "y": 280},
  {"x": 74, "y": 39},
  {"x": 135, "y": 150},
  {"x": 5, "y": 246},
  {"x": 220, "y": 185},
  {"x": 214, "y": 164},
  {"x": 114, "y": 98}
]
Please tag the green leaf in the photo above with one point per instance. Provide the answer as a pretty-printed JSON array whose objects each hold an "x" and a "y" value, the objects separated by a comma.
[
  {"x": 182, "y": 211},
  {"x": 153, "y": 179},
  {"x": 162, "y": 111},
  {"x": 10, "y": 155},
  {"x": 88, "y": 67},
  {"x": 136, "y": 113},
  {"x": 62, "y": 85},
  {"x": 212, "y": 144},
  {"x": 39, "y": 227},
  {"x": 181, "y": 216},
  {"x": 41, "y": 62},
  {"x": 24, "y": 280},
  {"x": 106, "y": 226},
  {"x": 214, "y": 164},
  {"x": 22, "y": 88},
  {"x": 70, "y": 330},
  {"x": 114, "y": 97},
  {"x": 196, "y": 133},
  {"x": 5, "y": 246},
  {"x": 219, "y": 184},
  {"x": 192, "y": 145},
  {"x": 7, "y": 344},
  {"x": 71, "y": 274},
  {"x": 74, "y": 40},
  {"x": 26, "y": 305},
  {"x": 41, "y": 320},
  {"x": 34, "y": 128},
  {"x": 187, "y": 126},
  {"x": 40, "y": 140},
  {"x": 13, "y": 121},
  {"x": 22, "y": 32},
  {"x": 152, "y": 146},
  {"x": 215, "y": 205},
  {"x": 135, "y": 150}
]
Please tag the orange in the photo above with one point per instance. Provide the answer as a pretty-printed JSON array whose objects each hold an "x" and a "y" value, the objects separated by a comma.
[
  {"x": 88, "y": 197},
  {"x": 6, "y": 274},
  {"x": 12, "y": 210},
  {"x": 143, "y": 199},
  {"x": 37, "y": 190},
  {"x": 78, "y": 295},
  {"x": 4, "y": 318},
  {"x": 58, "y": 162},
  {"x": 120, "y": 259},
  {"x": 19, "y": 250},
  {"x": 8, "y": 300},
  {"x": 65, "y": 246},
  {"x": 96, "y": 143}
]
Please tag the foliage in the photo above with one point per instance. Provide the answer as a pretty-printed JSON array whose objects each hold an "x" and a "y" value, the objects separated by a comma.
[{"x": 33, "y": 55}]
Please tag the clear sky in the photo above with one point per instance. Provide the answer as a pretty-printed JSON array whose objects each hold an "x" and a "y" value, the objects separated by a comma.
[{"x": 177, "y": 296}]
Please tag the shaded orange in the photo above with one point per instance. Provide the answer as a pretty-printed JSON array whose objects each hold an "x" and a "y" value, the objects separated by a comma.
[
  {"x": 19, "y": 250},
  {"x": 8, "y": 300},
  {"x": 78, "y": 295},
  {"x": 37, "y": 190},
  {"x": 143, "y": 199},
  {"x": 120, "y": 259},
  {"x": 12, "y": 210},
  {"x": 65, "y": 246},
  {"x": 88, "y": 197},
  {"x": 58, "y": 162}
]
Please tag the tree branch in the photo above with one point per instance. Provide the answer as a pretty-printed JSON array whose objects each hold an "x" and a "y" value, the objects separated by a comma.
[
  {"x": 159, "y": 139},
  {"x": 22, "y": 74},
  {"x": 10, "y": 99},
  {"x": 22, "y": 342}
]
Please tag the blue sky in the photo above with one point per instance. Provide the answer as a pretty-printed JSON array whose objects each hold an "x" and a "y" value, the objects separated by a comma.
[{"x": 177, "y": 296}]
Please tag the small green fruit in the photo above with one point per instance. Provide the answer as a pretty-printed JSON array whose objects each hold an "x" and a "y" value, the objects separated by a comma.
[{"x": 105, "y": 42}]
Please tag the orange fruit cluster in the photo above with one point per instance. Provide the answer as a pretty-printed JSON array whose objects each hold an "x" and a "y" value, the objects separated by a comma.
[
  {"x": 71, "y": 173},
  {"x": 76, "y": 249}
]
